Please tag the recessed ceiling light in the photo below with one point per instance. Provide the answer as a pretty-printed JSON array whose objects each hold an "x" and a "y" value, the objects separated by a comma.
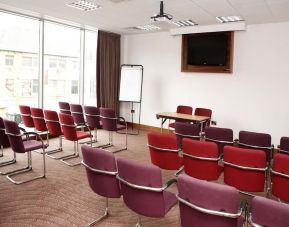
[
  {"x": 228, "y": 19},
  {"x": 84, "y": 5},
  {"x": 148, "y": 27},
  {"x": 184, "y": 23}
]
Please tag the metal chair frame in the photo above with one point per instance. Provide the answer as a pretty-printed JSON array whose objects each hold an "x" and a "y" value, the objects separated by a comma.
[
  {"x": 95, "y": 129},
  {"x": 28, "y": 168}
]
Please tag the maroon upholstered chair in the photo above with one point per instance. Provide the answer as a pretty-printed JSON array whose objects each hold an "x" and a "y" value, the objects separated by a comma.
[
  {"x": 284, "y": 145},
  {"x": 280, "y": 176},
  {"x": 70, "y": 133},
  {"x": 93, "y": 119},
  {"x": 205, "y": 113},
  {"x": 26, "y": 116},
  {"x": 164, "y": 151},
  {"x": 3, "y": 136},
  {"x": 183, "y": 110},
  {"x": 255, "y": 140},
  {"x": 77, "y": 114},
  {"x": 142, "y": 189},
  {"x": 245, "y": 169},
  {"x": 111, "y": 123},
  {"x": 18, "y": 145},
  {"x": 266, "y": 212},
  {"x": 221, "y": 136},
  {"x": 205, "y": 203},
  {"x": 201, "y": 159},
  {"x": 101, "y": 172},
  {"x": 185, "y": 130},
  {"x": 64, "y": 107}
]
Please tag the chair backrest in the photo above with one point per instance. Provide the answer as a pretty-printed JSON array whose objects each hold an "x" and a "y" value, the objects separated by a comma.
[
  {"x": 201, "y": 159},
  {"x": 92, "y": 116},
  {"x": 164, "y": 150},
  {"x": 64, "y": 107},
  {"x": 197, "y": 198},
  {"x": 184, "y": 109},
  {"x": 68, "y": 127},
  {"x": 77, "y": 113},
  {"x": 205, "y": 113},
  {"x": 267, "y": 212},
  {"x": 108, "y": 119},
  {"x": 52, "y": 122},
  {"x": 144, "y": 202},
  {"x": 280, "y": 176},
  {"x": 14, "y": 136},
  {"x": 26, "y": 116},
  {"x": 38, "y": 119},
  {"x": 244, "y": 168},
  {"x": 185, "y": 130},
  {"x": 256, "y": 140},
  {"x": 101, "y": 171},
  {"x": 221, "y": 136},
  {"x": 284, "y": 145},
  {"x": 2, "y": 132}
]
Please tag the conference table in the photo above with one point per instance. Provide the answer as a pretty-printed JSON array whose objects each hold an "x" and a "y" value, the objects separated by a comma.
[{"x": 184, "y": 117}]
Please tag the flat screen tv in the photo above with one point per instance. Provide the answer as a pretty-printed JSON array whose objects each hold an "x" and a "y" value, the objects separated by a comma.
[{"x": 207, "y": 52}]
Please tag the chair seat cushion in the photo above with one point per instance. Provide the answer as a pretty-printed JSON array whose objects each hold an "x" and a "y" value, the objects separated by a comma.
[
  {"x": 170, "y": 200},
  {"x": 81, "y": 135},
  {"x": 31, "y": 145},
  {"x": 172, "y": 125},
  {"x": 120, "y": 127}
]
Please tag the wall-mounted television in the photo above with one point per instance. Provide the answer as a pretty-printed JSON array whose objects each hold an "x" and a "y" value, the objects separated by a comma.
[{"x": 208, "y": 52}]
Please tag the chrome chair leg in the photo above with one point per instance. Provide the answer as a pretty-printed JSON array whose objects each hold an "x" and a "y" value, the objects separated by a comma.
[
  {"x": 9, "y": 162},
  {"x": 1, "y": 154},
  {"x": 105, "y": 215},
  {"x": 110, "y": 142},
  {"x": 48, "y": 154},
  {"x": 75, "y": 155},
  {"x": 138, "y": 224}
]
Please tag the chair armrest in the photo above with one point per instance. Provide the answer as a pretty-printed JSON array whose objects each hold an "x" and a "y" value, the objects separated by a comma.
[
  {"x": 34, "y": 134},
  {"x": 22, "y": 129},
  {"x": 169, "y": 183},
  {"x": 83, "y": 126},
  {"x": 122, "y": 118}
]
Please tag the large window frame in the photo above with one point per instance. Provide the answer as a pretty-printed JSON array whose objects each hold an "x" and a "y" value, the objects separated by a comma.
[{"x": 40, "y": 58}]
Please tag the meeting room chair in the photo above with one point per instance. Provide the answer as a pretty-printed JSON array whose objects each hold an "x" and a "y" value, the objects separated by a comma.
[
  {"x": 182, "y": 110},
  {"x": 142, "y": 189},
  {"x": 164, "y": 151},
  {"x": 266, "y": 212},
  {"x": 18, "y": 145},
  {"x": 220, "y": 136},
  {"x": 72, "y": 134},
  {"x": 3, "y": 136},
  {"x": 245, "y": 169},
  {"x": 208, "y": 204},
  {"x": 280, "y": 177},
  {"x": 64, "y": 107},
  {"x": 92, "y": 115},
  {"x": 112, "y": 123},
  {"x": 205, "y": 113},
  {"x": 101, "y": 171},
  {"x": 185, "y": 130},
  {"x": 201, "y": 159},
  {"x": 26, "y": 116},
  {"x": 256, "y": 140},
  {"x": 284, "y": 145}
]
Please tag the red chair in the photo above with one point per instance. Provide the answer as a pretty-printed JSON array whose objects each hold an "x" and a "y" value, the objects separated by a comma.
[
  {"x": 183, "y": 110},
  {"x": 164, "y": 151},
  {"x": 26, "y": 116},
  {"x": 245, "y": 169},
  {"x": 64, "y": 107},
  {"x": 256, "y": 140},
  {"x": 205, "y": 113},
  {"x": 280, "y": 177},
  {"x": 284, "y": 145},
  {"x": 201, "y": 159},
  {"x": 220, "y": 136},
  {"x": 93, "y": 119},
  {"x": 3, "y": 136},
  {"x": 70, "y": 133},
  {"x": 185, "y": 130}
]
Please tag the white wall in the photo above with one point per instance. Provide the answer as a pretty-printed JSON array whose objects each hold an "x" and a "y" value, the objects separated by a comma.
[{"x": 254, "y": 97}]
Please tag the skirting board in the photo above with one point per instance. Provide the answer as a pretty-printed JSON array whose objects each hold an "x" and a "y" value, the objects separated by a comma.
[{"x": 148, "y": 127}]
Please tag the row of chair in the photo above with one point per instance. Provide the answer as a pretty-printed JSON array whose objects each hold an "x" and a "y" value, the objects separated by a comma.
[
  {"x": 201, "y": 203},
  {"x": 244, "y": 168}
]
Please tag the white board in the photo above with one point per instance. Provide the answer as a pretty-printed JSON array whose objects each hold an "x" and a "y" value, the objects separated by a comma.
[{"x": 130, "y": 83}]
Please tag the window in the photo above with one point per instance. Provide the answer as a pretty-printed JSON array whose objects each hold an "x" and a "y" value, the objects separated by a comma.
[
  {"x": 9, "y": 85},
  {"x": 35, "y": 86},
  {"x": 52, "y": 63},
  {"x": 27, "y": 61},
  {"x": 74, "y": 87},
  {"x": 9, "y": 60}
]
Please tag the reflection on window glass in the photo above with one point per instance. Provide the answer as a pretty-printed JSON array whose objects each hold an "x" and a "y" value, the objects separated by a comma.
[
  {"x": 19, "y": 45},
  {"x": 61, "y": 53}
]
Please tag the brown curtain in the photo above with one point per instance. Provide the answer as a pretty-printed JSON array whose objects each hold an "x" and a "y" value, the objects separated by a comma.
[{"x": 108, "y": 69}]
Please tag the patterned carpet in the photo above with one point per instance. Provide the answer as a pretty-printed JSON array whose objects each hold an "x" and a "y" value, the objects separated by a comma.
[{"x": 64, "y": 197}]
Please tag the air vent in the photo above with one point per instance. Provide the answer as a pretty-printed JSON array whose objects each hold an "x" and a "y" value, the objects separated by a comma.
[
  {"x": 184, "y": 23},
  {"x": 229, "y": 19},
  {"x": 84, "y": 5},
  {"x": 143, "y": 28}
]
